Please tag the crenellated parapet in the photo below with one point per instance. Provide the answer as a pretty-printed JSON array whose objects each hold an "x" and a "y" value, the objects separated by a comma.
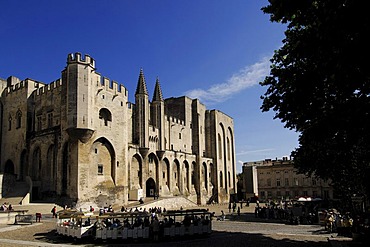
[
  {"x": 22, "y": 87},
  {"x": 47, "y": 89},
  {"x": 78, "y": 58},
  {"x": 174, "y": 120},
  {"x": 113, "y": 87}
]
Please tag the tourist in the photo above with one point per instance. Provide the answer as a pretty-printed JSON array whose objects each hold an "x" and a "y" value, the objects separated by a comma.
[
  {"x": 54, "y": 211},
  {"x": 155, "y": 228},
  {"x": 222, "y": 216},
  {"x": 91, "y": 209}
]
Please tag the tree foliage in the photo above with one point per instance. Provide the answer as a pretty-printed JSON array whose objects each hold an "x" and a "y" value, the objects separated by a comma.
[{"x": 319, "y": 85}]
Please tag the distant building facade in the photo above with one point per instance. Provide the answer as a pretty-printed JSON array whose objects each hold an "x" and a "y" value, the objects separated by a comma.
[
  {"x": 278, "y": 179},
  {"x": 80, "y": 137}
]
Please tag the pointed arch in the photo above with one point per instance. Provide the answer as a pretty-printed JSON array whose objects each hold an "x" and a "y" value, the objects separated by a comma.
[
  {"x": 186, "y": 175},
  {"x": 233, "y": 165},
  {"x": 224, "y": 155},
  {"x": 176, "y": 173},
  {"x": 136, "y": 172},
  {"x": 154, "y": 169},
  {"x": 166, "y": 173},
  {"x": 219, "y": 146},
  {"x": 104, "y": 158},
  {"x": 18, "y": 119},
  {"x": 36, "y": 164},
  {"x": 65, "y": 168},
  {"x": 205, "y": 175},
  {"x": 50, "y": 161}
]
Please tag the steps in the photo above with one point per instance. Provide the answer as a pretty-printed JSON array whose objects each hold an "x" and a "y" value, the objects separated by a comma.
[{"x": 166, "y": 202}]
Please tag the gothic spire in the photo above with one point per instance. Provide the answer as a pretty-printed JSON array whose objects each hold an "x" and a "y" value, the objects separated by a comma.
[
  {"x": 157, "y": 92},
  {"x": 141, "y": 85}
]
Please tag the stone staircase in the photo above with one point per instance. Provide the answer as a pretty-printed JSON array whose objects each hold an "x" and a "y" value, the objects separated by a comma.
[
  {"x": 169, "y": 203},
  {"x": 18, "y": 195}
]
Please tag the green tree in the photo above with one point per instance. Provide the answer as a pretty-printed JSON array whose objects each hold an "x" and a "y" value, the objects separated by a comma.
[{"x": 319, "y": 85}]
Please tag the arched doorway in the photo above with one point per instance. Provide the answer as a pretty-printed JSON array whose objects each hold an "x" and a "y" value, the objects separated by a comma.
[{"x": 150, "y": 187}]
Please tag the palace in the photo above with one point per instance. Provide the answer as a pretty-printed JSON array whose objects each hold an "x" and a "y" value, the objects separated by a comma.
[{"x": 79, "y": 137}]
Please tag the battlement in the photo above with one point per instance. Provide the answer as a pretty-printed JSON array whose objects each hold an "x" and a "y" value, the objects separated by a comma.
[
  {"x": 174, "y": 120},
  {"x": 22, "y": 86},
  {"x": 49, "y": 87},
  {"x": 77, "y": 58},
  {"x": 113, "y": 86}
]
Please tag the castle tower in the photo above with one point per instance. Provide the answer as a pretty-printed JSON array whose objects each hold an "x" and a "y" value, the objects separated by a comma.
[
  {"x": 77, "y": 76},
  {"x": 141, "y": 135},
  {"x": 157, "y": 113}
]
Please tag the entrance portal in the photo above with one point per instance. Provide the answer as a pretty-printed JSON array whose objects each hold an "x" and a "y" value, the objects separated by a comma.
[{"x": 150, "y": 187}]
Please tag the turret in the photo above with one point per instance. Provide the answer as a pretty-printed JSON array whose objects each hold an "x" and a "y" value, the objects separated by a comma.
[
  {"x": 77, "y": 76},
  {"x": 141, "y": 135},
  {"x": 157, "y": 113}
]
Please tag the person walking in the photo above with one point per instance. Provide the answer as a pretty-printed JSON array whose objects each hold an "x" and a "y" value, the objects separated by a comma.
[{"x": 54, "y": 211}]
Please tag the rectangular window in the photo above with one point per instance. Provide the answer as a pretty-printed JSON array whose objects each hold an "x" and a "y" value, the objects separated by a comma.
[
  {"x": 278, "y": 182},
  {"x": 278, "y": 193},
  {"x": 100, "y": 169},
  {"x": 164, "y": 175},
  {"x": 269, "y": 182},
  {"x": 39, "y": 123},
  {"x": 286, "y": 181},
  {"x": 296, "y": 181},
  {"x": 305, "y": 193},
  {"x": 287, "y": 193},
  {"x": 50, "y": 119},
  {"x": 313, "y": 181}
]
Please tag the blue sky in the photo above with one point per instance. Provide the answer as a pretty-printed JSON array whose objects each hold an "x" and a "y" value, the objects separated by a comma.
[{"x": 214, "y": 50}]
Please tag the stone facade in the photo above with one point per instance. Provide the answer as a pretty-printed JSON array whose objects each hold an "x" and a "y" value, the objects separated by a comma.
[
  {"x": 278, "y": 179},
  {"x": 80, "y": 137}
]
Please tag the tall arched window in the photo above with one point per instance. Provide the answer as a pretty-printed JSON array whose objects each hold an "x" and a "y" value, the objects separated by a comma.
[
  {"x": 219, "y": 147},
  {"x": 18, "y": 118},
  {"x": 10, "y": 123},
  {"x": 228, "y": 149}
]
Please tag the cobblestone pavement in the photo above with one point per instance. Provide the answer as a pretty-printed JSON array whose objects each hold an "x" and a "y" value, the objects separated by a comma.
[{"x": 243, "y": 230}]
